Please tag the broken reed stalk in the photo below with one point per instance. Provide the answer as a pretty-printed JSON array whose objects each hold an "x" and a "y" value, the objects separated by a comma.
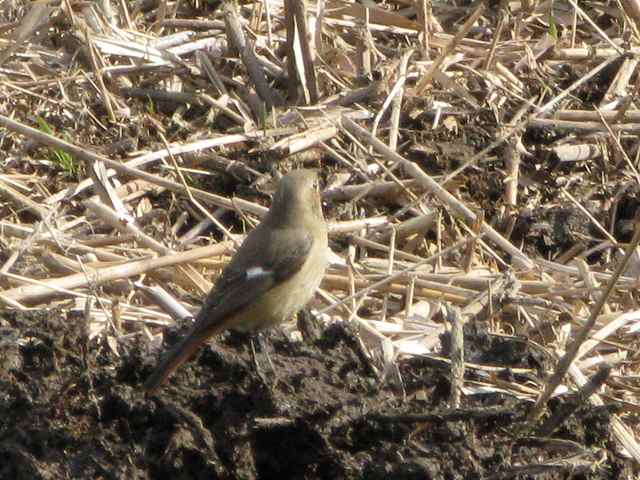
[
  {"x": 575, "y": 401},
  {"x": 303, "y": 50},
  {"x": 205, "y": 212},
  {"x": 391, "y": 278},
  {"x": 533, "y": 119},
  {"x": 42, "y": 290},
  {"x": 218, "y": 200},
  {"x": 432, "y": 186},
  {"x": 471, "y": 248},
  {"x": 424, "y": 22},
  {"x": 456, "y": 354},
  {"x": 396, "y": 108},
  {"x": 491, "y": 300},
  {"x": 167, "y": 303},
  {"x": 511, "y": 157},
  {"x": 300, "y": 53},
  {"x": 22, "y": 201},
  {"x": 125, "y": 225},
  {"x": 574, "y": 347},
  {"x": 86, "y": 155},
  {"x": 256, "y": 72},
  {"x": 425, "y": 81}
]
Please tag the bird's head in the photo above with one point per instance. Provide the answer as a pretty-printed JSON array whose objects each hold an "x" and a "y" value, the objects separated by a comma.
[{"x": 297, "y": 198}]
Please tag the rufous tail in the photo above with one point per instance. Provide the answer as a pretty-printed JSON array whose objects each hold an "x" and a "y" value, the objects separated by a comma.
[{"x": 171, "y": 361}]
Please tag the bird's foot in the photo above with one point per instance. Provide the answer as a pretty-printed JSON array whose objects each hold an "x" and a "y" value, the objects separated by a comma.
[{"x": 259, "y": 370}]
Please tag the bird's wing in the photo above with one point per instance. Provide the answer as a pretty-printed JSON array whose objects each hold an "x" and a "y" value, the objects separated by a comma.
[
  {"x": 256, "y": 267},
  {"x": 254, "y": 270}
]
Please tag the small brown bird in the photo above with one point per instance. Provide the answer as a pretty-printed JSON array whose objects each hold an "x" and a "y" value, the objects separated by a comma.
[{"x": 274, "y": 273}]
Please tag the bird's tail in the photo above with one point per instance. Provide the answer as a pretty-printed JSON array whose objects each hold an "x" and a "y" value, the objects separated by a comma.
[{"x": 176, "y": 357}]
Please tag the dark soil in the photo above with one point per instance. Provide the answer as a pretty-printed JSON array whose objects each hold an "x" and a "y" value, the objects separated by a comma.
[{"x": 74, "y": 409}]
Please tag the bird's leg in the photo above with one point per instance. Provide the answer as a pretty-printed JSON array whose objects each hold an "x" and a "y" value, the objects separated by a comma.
[
  {"x": 260, "y": 340},
  {"x": 265, "y": 349},
  {"x": 256, "y": 364},
  {"x": 309, "y": 326}
]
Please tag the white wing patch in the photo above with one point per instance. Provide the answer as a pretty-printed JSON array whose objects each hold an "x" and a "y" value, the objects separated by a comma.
[{"x": 255, "y": 272}]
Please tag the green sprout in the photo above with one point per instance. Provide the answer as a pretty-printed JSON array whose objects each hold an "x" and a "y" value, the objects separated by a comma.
[
  {"x": 553, "y": 28},
  {"x": 57, "y": 155}
]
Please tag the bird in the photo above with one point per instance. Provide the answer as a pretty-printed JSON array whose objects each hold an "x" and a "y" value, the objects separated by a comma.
[{"x": 273, "y": 274}]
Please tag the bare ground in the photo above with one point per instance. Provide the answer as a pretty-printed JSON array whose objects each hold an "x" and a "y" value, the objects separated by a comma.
[{"x": 73, "y": 409}]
